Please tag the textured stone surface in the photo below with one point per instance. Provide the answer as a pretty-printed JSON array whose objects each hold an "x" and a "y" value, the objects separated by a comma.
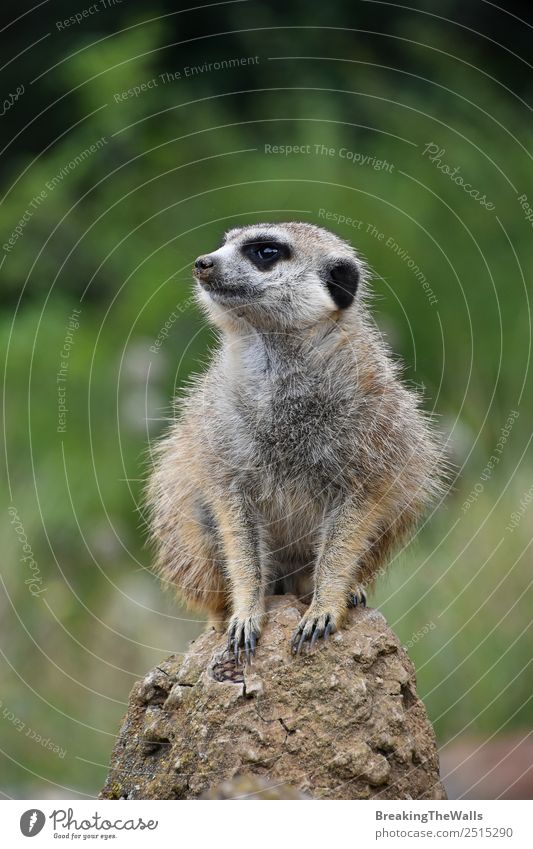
[{"x": 343, "y": 722}]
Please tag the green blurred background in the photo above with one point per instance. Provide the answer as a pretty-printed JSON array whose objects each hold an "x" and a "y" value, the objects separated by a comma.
[{"x": 112, "y": 230}]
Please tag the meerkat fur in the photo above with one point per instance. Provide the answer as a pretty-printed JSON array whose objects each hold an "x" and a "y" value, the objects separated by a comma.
[{"x": 298, "y": 461}]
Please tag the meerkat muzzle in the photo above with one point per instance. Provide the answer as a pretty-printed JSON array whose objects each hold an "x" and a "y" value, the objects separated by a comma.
[{"x": 204, "y": 267}]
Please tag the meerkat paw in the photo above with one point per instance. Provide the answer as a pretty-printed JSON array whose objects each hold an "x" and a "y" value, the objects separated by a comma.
[
  {"x": 243, "y": 633},
  {"x": 357, "y": 597},
  {"x": 313, "y": 626}
]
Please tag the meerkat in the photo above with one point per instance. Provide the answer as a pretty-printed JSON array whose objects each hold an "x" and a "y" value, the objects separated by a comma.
[{"x": 298, "y": 461}]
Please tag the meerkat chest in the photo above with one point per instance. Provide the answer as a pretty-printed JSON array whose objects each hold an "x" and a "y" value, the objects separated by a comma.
[{"x": 290, "y": 438}]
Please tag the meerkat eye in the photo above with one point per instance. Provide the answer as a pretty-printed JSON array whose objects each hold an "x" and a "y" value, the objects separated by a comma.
[{"x": 265, "y": 254}]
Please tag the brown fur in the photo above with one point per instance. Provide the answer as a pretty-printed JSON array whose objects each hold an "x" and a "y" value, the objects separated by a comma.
[{"x": 299, "y": 461}]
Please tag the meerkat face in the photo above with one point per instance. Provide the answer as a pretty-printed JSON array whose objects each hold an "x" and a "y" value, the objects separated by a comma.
[{"x": 288, "y": 275}]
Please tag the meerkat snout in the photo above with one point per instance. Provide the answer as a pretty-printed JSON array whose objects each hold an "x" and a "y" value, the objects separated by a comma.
[
  {"x": 204, "y": 269},
  {"x": 203, "y": 263}
]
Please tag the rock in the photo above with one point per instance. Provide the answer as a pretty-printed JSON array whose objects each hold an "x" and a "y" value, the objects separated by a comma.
[
  {"x": 343, "y": 722},
  {"x": 253, "y": 787}
]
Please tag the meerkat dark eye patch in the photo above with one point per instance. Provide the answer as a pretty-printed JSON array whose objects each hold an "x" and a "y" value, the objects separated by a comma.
[
  {"x": 265, "y": 254},
  {"x": 342, "y": 279}
]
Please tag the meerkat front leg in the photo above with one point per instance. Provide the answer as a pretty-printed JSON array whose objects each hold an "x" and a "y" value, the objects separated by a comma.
[
  {"x": 346, "y": 539},
  {"x": 242, "y": 564}
]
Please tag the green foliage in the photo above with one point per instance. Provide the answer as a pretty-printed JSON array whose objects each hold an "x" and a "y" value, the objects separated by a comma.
[{"x": 115, "y": 237}]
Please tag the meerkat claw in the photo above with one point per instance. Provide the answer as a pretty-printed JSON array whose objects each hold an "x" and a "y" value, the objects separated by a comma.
[
  {"x": 242, "y": 637},
  {"x": 310, "y": 630},
  {"x": 357, "y": 597},
  {"x": 296, "y": 641},
  {"x": 314, "y": 638},
  {"x": 235, "y": 640}
]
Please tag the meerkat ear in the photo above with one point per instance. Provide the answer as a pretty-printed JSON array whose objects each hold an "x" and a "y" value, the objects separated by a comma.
[{"x": 342, "y": 279}]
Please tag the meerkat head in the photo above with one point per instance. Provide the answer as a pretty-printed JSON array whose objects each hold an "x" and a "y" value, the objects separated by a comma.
[{"x": 278, "y": 275}]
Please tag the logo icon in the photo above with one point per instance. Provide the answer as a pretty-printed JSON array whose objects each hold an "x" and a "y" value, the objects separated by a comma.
[{"x": 32, "y": 822}]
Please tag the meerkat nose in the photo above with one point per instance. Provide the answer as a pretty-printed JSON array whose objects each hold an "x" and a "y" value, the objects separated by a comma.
[{"x": 203, "y": 263}]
